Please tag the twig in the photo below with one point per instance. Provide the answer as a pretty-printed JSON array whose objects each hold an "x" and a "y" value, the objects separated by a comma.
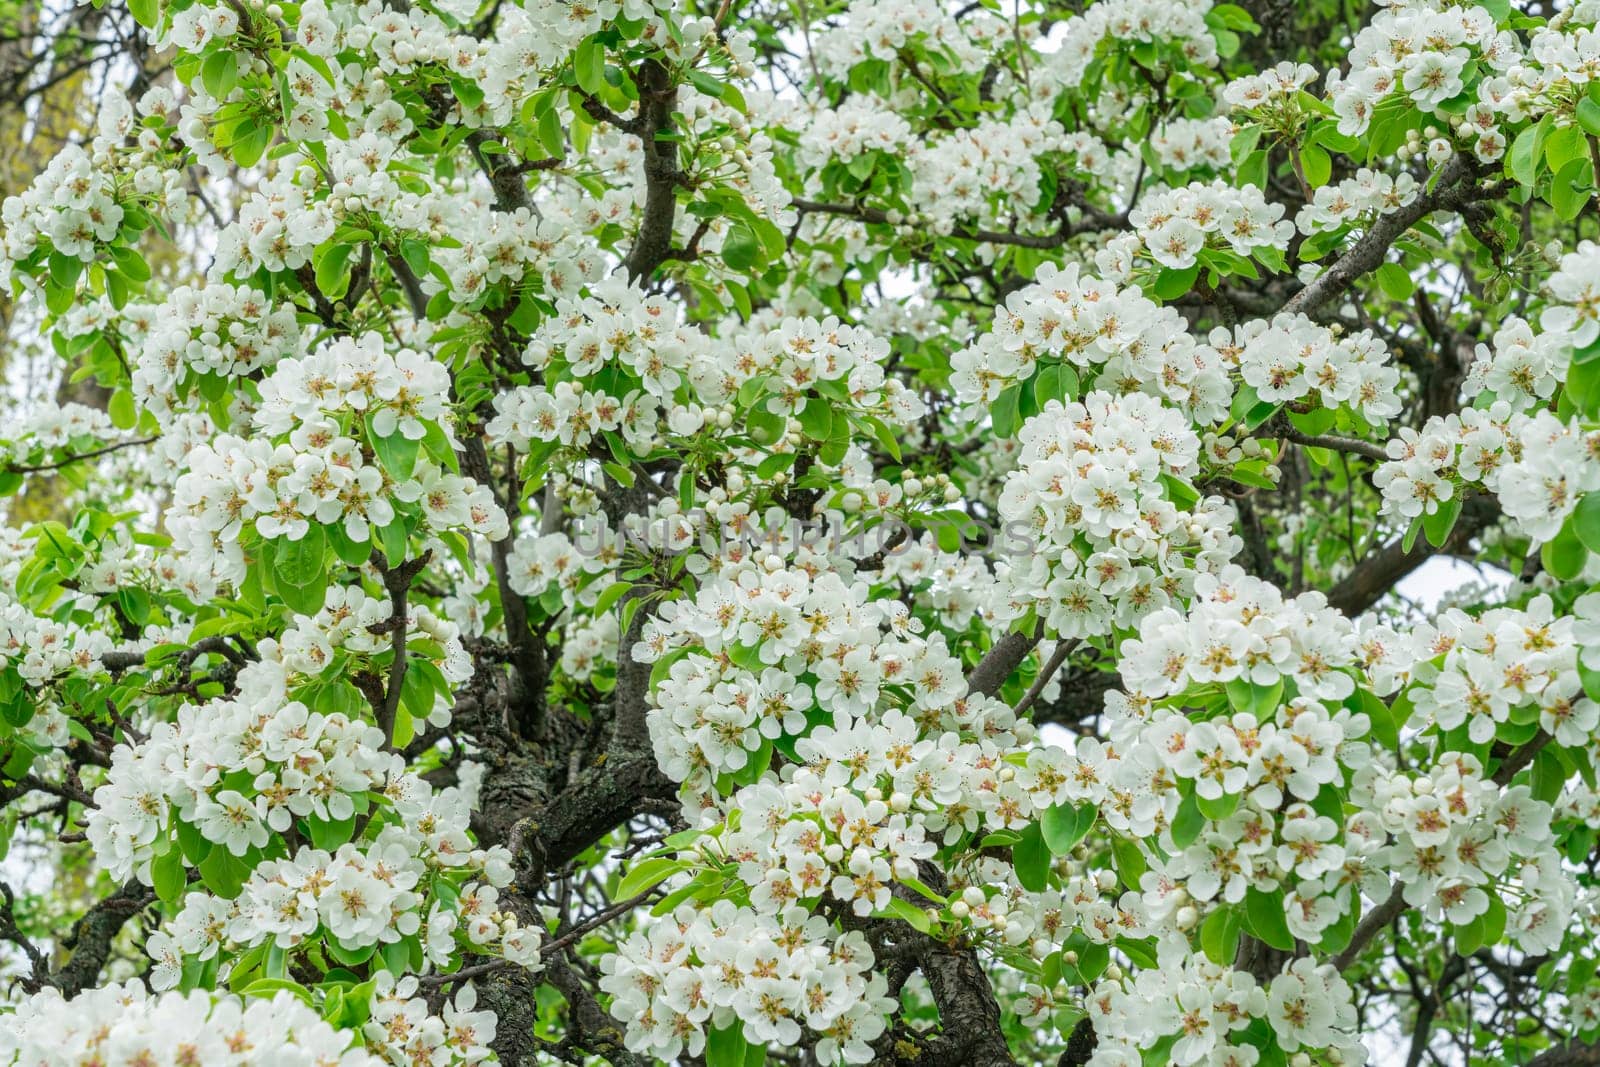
[
  {"x": 1047, "y": 672},
  {"x": 594, "y": 922},
  {"x": 16, "y": 468}
]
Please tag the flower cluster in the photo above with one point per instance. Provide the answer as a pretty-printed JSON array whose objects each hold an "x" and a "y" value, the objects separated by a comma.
[
  {"x": 1460, "y": 844},
  {"x": 859, "y": 125},
  {"x": 123, "y": 1024},
  {"x": 40, "y": 649},
  {"x": 220, "y": 331},
  {"x": 857, "y": 814},
  {"x": 769, "y": 974},
  {"x": 403, "y": 1031},
  {"x": 69, "y": 427},
  {"x": 318, "y": 422},
  {"x": 1263, "y": 95},
  {"x": 1239, "y": 627},
  {"x": 1191, "y": 144},
  {"x": 880, "y": 29},
  {"x": 1366, "y": 196},
  {"x": 72, "y": 205},
  {"x": 989, "y": 172},
  {"x": 1575, "y": 291},
  {"x": 1090, "y": 325},
  {"x": 1127, "y": 22},
  {"x": 1418, "y": 49},
  {"x": 735, "y": 656},
  {"x": 1093, "y": 490},
  {"x": 1506, "y": 665},
  {"x": 413, "y": 886},
  {"x": 1291, "y": 357},
  {"x": 1522, "y": 367},
  {"x": 352, "y": 630},
  {"x": 1193, "y": 1011},
  {"x": 1537, "y": 465},
  {"x": 1175, "y": 227},
  {"x": 237, "y": 772},
  {"x": 666, "y": 363}
]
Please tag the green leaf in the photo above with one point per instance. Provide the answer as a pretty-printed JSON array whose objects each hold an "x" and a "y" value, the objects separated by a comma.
[
  {"x": 1005, "y": 413},
  {"x": 332, "y": 278},
  {"x": 726, "y": 1046},
  {"x": 1233, "y": 17},
  {"x": 1469, "y": 936},
  {"x": 124, "y": 415},
  {"x": 1064, "y": 825},
  {"x": 1259, "y": 700},
  {"x": 645, "y": 874},
  {"x": 1564, "y": 145},
  {"x": 1589, "y": 116},
  {"x": 1032, "y": 859},
  {"x": 1219, "y": 935},
  {"x": 167, "y": 875},
  {"x": 552, "y": 137},
  {"x": 816, "y": 419},
  {"x": 1527, "y": 152},
  {"x": 1395, "y": 281},
  {"x": 130, "y": 263},
  {"x": 1583, "y": 385},
  {"x": 1264, "y": 917},
  {"x": 765, "y": 427},
  {"x": 145, "y": 12},
  {"x": 1564, "y": 556},
  {"x": 405, "y": 725},
  {"x": 394, "y": 539},
  {"x": 350, "y": 957},
  {"x": 1438, "y": 523},
  {"x": 220, "y": 73},
  {"x": 223, "y": 873},
  {"x": 1092, "y": 960},
  {"x": 350, "y": 552},
  {"x": 1494, "y": 920},
  {"x": 915, "y": 917},
  {"x": 1218, "y": 808},
  {"x": 329, "y": 834},
  {"x": 589, "y": 65},
  {"x": 268, "y": 987},
  {"x": 300, "y": 571},
  {"x": 1586, "y": 521},
  {"x": 1172, "y": 283},
  {"x": 1129, "y": 860},
  {"x": 248, "y": 149},
  {"x": 1316, "y": 164},
  {"x": 1384, "y": 729},
  {"x": 1188, "y": 823},
  {"x": 397, "y": 453},
  {"x": 1571, "y": 187},
  {"x": 741, "y": 248}
]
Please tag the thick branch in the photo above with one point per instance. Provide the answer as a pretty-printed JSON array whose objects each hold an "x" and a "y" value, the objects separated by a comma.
[
  {"x": 93, "y": 935},
  {"x": 1003, "y": 657},
  {"x": 1572, "y": 1054},
  {"x": 1378, "y": 572},
  {"x": 657, "y": 97}
]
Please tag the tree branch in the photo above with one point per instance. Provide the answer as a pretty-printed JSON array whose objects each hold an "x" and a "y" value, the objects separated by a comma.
[
  {"x": 657, "y": 97},
  {"x": 1368, "y": 252}
]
